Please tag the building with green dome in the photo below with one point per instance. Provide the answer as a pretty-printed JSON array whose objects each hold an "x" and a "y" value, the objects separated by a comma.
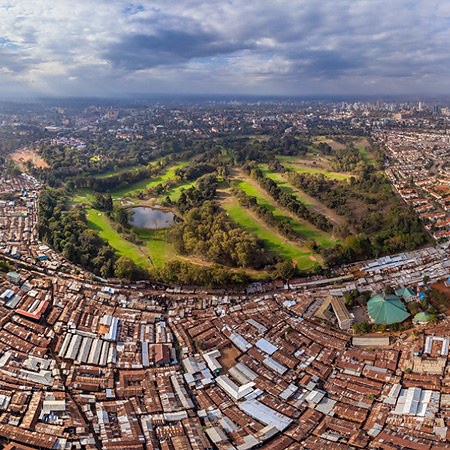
[
  {"x": 387, "y": 309},
  {"x": 422, "y": 317}
]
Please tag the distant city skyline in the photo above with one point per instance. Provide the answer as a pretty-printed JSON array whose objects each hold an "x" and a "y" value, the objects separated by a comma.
[{"x": 237, "y": 47}]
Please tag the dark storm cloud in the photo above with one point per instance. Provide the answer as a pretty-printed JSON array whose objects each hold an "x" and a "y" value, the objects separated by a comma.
[
  {"x": 169, "y": 47},
  {"x": 14, "y": 62},
  {"x": 266, "y": 46}
]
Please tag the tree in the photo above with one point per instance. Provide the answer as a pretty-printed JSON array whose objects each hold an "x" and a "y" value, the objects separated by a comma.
[
  {"x": 285, "y": 270},
  {"x": 121, "y": 216},
  {"x": 103, "y": 201},
  {"x": 126, "y": 268}
]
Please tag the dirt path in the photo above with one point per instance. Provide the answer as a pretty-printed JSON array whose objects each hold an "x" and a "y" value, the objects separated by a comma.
[{"x": 29, "y": 154}]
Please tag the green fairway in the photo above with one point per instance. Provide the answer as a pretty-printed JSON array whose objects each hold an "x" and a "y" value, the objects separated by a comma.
[
  {"x": 155, "y": 250},
  {"x": 304, "y": 258},
  {"x": 83, "y": 196},
  {"x": 365, "y": 154},
  {"x": 144, "y": 184},
  {"x": 119, "y": 171},
  {"x": 284, "y": 185},
  {"x": 99, "y": 221},
  {"x": 156, "y": 245},
  {"x": 304, "y": 229},
  {"x": 291, "y": 162},
  {"x": 175, "y": 192}
]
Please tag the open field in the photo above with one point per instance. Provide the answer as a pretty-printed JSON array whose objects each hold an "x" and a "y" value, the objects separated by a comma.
[
  {"x": 363, "y": 145},
  {"x": 175, "y": 192},
  {"x": 29, "y": 154},
  {"x": 156, "y": 245},
  {"x": 119, "y": 171},
  {"x": 293, "y": 163},
  {"x": 99, "y": 221},
  {"x": 274, "y": 242},
  {"x": 83, "y": 196},
  {"x": 331, "y": 142},
  {"x": 308, "y": 231},
  {"x": 144, "y": 184}
]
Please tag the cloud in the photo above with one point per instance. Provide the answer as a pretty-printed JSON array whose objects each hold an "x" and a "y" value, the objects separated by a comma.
[
  {"x": 219, "y": 46},
  {"x": 168, "y": 47}
]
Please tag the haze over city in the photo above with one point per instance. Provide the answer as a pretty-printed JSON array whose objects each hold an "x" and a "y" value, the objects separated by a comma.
[{"x": 115, "y": 48}]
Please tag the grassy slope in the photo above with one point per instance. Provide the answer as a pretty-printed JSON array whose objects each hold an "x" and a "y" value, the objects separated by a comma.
[
  {"x": 362, "y": 146},
  {"x": 304, "y": 229},
  {"x": 119, "y": 171},
  {"x": 291, "y": 162},
  {"x": 157, "y": 247},
  {"x": 168, "y": 175},
  {"x": 99, "y": 221},
  {"x": 274, "y": 242},
  {"x": 302, "y": 196},
  {"x": 175, "y": 192}
]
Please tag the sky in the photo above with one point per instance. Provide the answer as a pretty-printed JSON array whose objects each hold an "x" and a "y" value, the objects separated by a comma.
[{"x": 110, "y": 48}]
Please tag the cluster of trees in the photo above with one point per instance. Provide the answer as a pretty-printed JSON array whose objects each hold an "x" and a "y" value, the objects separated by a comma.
[
  {"x": 399, "y": 231},
  {"x": 103, "y": 202},
  {"x": 289, "y": 201},
  {"x": 182, "y": 272},
  {"x": 119, "y": 180},
  {"x": 67, "y": 231},
  {"x": 348, "y": 159},
  {"x": 377, "y": 222},
  {"x": 332, "y": 194},
  {"x": 245, "y": 149},
  {"x": 282, "y": 224},
  {"x": 355, "y": 297},
  {"x": 194, "y": 170},
  {"x": 204, "y": 190},
  {"x": 206, "y": 231},
  {"x": 102, "y": 155},
  {"x": 127, "y": 269},
  {"x": 4, "y": 266},
  {"x": 105, "y": 154}
]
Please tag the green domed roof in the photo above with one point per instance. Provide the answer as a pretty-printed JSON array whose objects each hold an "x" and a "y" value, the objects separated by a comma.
[
  {"x": 422, "y": 317},
  {"x": 387, "y": 309}
]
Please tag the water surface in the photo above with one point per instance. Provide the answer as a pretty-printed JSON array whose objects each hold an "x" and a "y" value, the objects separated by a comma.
[{"x": 151, "y": 218}]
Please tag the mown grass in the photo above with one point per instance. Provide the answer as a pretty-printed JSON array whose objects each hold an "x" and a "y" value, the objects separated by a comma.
[
  {"x": 144, "y": 184},
  {"x": 304, "y": 258},
  {"x": 157, "y": 246},
  {"x": 291, "y": 162},
  {"x": 284, "y": 185},
  {"x": 175, "y": 192},
  {"x": 99, "y": 221},
  {"x": 308, "y": 232},
  {"x": 365, "y": 154},
  {"x": 113, "y": 173}
]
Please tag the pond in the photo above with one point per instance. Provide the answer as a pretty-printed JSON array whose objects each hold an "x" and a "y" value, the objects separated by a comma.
[{"x": 151, "y": 218}]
